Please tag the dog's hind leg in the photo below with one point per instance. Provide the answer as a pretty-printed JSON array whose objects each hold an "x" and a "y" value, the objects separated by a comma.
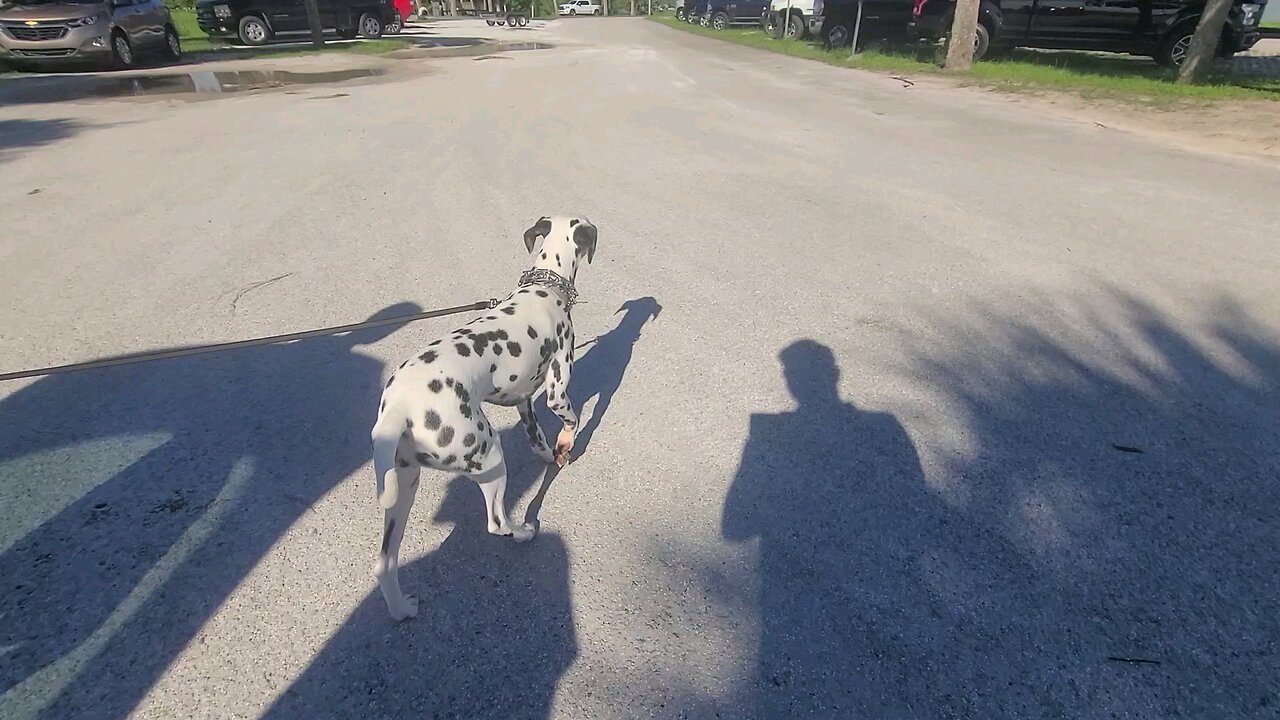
[
  {"x": 387, "y": 568},
  {"x": 531, "y": 428},
  {"x": 492, "y": 479}
]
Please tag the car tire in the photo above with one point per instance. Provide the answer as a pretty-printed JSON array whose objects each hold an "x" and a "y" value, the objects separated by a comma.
[
  {"x": 121, "y": 51},
  {"x": 796, "y": 28},
  {"x": 254, "y": 31},
  {"x": 981, "y": 42},
  {"x": 370, "y": 26},
  {"x": 773, "y": 25},
  {"x": 597, "y": 11},
  {"x": 720, "y": 20},
  {"x": 705, "y": 20},
  {"x": 572, "y": 12},
  {"x": 395, "y": 26},
  {"x": 839, "y": 35},
  {"x": 172, "y": 44},
  {"x": 680, "y": 14},
  {"x": 522, "y": 20},
  {"x": 1173, "y": 49}
]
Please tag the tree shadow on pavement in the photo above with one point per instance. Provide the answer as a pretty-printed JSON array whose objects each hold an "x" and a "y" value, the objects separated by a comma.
[
  {"x": 1102, "y": 544},
  {"x": 18, "y": 135},
  {"x": 133, "y": 500}
]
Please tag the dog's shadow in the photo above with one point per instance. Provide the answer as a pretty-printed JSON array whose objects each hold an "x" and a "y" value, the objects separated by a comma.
[{"x": 598, "y": 373}]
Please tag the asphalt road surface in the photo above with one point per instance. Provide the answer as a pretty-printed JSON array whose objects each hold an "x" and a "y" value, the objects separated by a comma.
[{"x": 905, "y": 402}]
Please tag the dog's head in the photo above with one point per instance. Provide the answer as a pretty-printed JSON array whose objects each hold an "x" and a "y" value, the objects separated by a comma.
[{"x": 560, "y": 242}]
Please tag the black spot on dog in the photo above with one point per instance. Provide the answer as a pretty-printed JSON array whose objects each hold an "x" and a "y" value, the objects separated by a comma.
[
  {"x": 435, "y": 385},
  {"x": 428, "y": 356},
  {"x": 406, "y": 362},
  {"x": 480, "y": 426},
  {"x": 408, "y": 423},
  {"x": 533, "y": 334},
  {"x": 450, "y": 459},
  {"x": 463, "y": 350},
  {"x": 557, "y": 258},
  {"x": 513, "y": 348},
  {"x": 574, "y": 222},
  {"x": 501, "y": 335},
  {"x": 484, "y": 447},
  {"x": 386, "y": 536},
  {"x": 432, "y": 420},
  {"x": 465, "y": 410},
  {"x": 479, "y": 346},
  {"x": 469, "y": 440},
  {"x": 544, "y": 255},
  {"x": 464, "y": 331},
  {"x": 555, "y": 369},
  {"x": 497, "y": 349},
  {"x": 445, "y": 437},
  {"x": 382, "y": 407},
  {"x": 541, "y": 293},
  {"x": 462, "y": 393},
  {"x": 493, "y": 368},
  {"x": 514, "y": 378},
  {"x": 509, "y": 310}
]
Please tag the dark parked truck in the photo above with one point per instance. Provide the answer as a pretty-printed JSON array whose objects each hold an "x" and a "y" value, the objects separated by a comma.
[
  {"x": 256, "y": 22},
  {"x": 1159, "y": 28}
]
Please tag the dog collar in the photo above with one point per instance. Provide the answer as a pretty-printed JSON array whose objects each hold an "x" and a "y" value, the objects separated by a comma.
[{"x": 550, "y": 279}]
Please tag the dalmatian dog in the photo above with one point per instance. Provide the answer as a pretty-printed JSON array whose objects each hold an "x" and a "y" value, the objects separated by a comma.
[{"x": 432, "y": 411}]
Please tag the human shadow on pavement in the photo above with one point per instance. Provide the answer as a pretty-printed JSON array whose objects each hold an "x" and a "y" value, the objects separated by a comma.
[
  {"x": 493, "y": 634},
  {"x": 19, "y": 134},
  {"x": 134, "y": 499},
  {"x": 1103, "y": 545}
]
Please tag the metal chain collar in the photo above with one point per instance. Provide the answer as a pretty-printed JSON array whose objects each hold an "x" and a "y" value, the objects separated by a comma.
[{"x": 553, "y": 280}]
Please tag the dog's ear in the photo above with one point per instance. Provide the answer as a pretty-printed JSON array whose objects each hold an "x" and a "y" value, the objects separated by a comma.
[
  {"x": 539, "y": 230},
  {"x": 584, "y": 236}
]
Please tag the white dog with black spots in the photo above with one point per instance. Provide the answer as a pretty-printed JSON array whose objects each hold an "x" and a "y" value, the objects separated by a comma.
[{"x": 432, "y": 412}]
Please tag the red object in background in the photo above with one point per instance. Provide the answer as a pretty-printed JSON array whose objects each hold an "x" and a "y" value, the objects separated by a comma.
[
  {"x": 403, "y": 8},
  {"x": 916, "y": 7}
]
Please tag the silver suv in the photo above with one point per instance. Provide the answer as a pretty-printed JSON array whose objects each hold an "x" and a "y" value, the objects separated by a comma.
[{"x": 45, "y": 32}]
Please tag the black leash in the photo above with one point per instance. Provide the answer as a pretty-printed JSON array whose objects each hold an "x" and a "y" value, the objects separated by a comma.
[{"x": 237, "y": 344}]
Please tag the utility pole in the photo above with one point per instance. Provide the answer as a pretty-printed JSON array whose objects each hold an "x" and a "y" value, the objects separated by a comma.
[
  {"x": 964, "y": 28},
  {"x": 313, "y": 20}
]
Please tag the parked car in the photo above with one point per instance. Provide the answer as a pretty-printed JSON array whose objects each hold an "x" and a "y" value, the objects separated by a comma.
[
  {"x": 695, "y": 11},
  {"x": 680, "y": 9},
  {"x": 835, "y": 20},
  {"x": 256, "y": 22},
  {"x": 1159, "y": 28},
  {"x": 723, "y": 13},
  {"x": 40, "y": 33},
  {"x": 580, "y": 7},
  {"x": 788, "y": 18}
]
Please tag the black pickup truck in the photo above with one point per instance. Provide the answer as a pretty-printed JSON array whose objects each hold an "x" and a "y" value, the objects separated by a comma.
[{"x": 1159, "y": 28}]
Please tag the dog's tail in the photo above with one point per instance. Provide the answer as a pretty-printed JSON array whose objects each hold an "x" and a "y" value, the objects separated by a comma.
[{"x": 384, "y": 465}]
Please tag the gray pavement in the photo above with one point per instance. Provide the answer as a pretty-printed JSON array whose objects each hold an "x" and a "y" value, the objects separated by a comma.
[{"x": 951, "y": 409}]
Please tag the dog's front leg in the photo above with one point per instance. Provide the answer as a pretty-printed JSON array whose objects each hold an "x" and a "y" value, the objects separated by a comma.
[{"x": 558, "y": 398}]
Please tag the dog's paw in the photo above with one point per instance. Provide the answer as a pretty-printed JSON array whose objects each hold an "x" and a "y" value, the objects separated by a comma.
[
  {"x": 406, "y": 610},
  {"x": 564, "y": 446},
  {"x": 523, "y": 532}
]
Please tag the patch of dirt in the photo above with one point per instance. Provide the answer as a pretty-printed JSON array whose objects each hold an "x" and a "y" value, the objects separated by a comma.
[{"x": 1249, "y": 128}]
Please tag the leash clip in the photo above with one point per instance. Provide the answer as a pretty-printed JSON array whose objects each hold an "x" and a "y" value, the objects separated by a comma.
[{"x": 493, "y": 303}]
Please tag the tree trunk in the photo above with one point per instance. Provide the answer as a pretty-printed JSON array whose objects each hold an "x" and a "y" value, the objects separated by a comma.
[
  {"x": 1204, "y": 44},
  {"x": 313, "y": 21},
  {"x": 960, "y": 41}
]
